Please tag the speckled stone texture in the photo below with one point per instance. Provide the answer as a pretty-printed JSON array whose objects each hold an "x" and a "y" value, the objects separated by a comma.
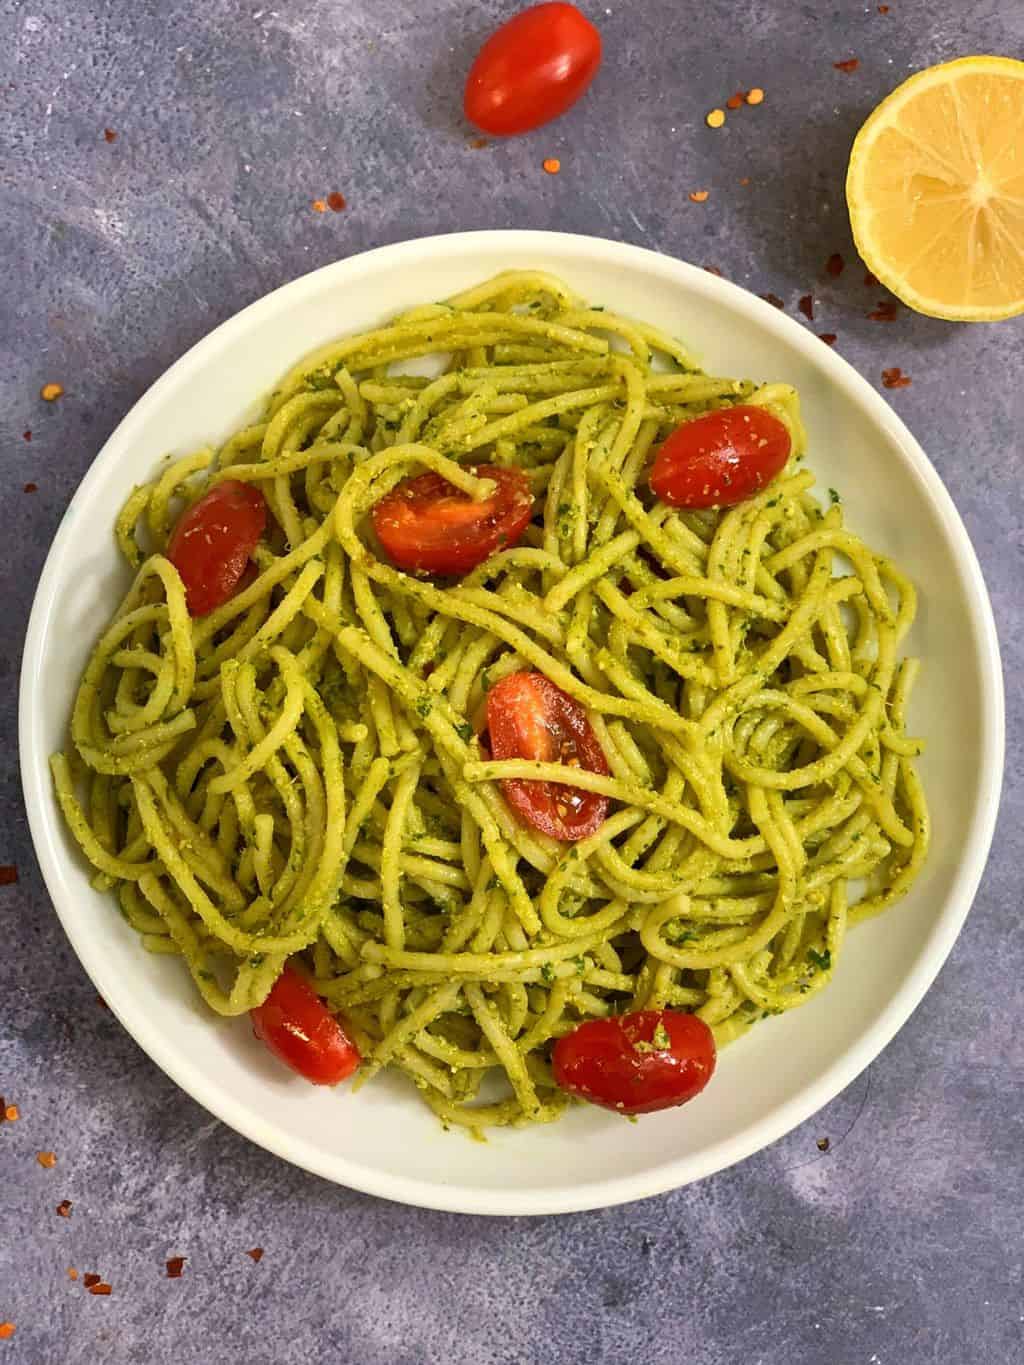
[{"x": 898, "y": 1246}]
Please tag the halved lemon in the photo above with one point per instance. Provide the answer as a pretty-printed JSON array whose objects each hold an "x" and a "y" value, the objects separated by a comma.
[{"x": 936, "y": 190}]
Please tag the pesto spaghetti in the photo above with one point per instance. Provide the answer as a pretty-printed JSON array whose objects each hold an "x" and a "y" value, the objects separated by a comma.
[{"x": 303, "y": 772}]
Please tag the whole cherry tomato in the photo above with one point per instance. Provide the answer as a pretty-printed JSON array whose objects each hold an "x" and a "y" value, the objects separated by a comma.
[
  {"x": 532, "y": 69},
  {"x": 720, "y": 458},
  {"x": 428, "y": 526},
  {"x": 299, "y": 1029},
  {"x": 529, "y": 717},
  {"x": 636, "y": 1063},
  {"x": 211, "y": 544}
]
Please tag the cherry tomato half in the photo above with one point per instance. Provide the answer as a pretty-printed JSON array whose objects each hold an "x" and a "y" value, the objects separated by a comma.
[
  {"x": 532, "y": 69},
  {"x": 299, "y": 1029},
  {"x": 529, "y": 717},
  {"x": 428, "y": 526},
  {"x": 720, "y": 458},
  {"x": 636, "y": 1063},
  {"x": 211, "y": 544}
]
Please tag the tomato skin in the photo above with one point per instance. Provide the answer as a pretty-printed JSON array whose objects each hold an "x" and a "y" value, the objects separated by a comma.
[
  {"x": 427, "y": 526},
  {"x": 720, "y": 458},
  {"x": 212, "y": 542},
  {"x": 529, "y": 717},
  {"x": 532, "y": 69},
  {"x": 299, "y": 1030},
  {"x": 600, "y": 1061}
]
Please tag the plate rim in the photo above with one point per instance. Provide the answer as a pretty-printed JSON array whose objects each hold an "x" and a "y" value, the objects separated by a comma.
[{"x": 461, "y": 1198}]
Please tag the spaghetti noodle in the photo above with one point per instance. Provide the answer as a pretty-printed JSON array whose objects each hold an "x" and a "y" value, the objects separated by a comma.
[{"x": 299, "y": 772}]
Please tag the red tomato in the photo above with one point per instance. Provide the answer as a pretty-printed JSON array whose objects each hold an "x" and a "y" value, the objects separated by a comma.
[
  {"x": 636, "y": 1063},
  {"x": 532, "y": 69},
  {"x": 299, "y": 1029},
  {"x": 428, "y": 526},
  {"x": 211, "y": 544},
  {"x": 529, "y": 717},
  {"x": 721, "y": 458}
]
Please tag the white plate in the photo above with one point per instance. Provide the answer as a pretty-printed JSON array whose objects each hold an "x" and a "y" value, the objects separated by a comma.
[{"x": 382, "y": 1140}]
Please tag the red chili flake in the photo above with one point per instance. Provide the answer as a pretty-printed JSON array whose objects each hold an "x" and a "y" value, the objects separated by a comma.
[
  {"x": 744, "y": 180},
  {"x": 894, "y": 378},
  {"x": 30, "y": 488},
  {"x": 47, "y": 1159},
  {"x": 64, "y": 1208},
  {"x": 72, "y": 1273},
  {"x": 319, "y": 206},
  {"x": 806, "y": 306},
  {"x": 478, "y": 143},
  {"x": 6, "y": 1330},
  {"x": 256, "y": 1253},
  {"x": 870, "y": 280},
  {"x": 774, "y": 300},
  {"x": 851, "y": 64},
  {"x": 26, "y": 435},
  {"x": 11, "y": 1112},
  {"x": 829, "y": 338},
  {"x": 175, "y": 1266},
  {"x": 89, "y": 1279},
  {"x": 698, "y": 196},
  {"x": 734, "y": 101},
  {"x": 883, "y": 9},
  {"x": 835, "y": 265},
  {"x": 8, "y": 874},
  {"x": 713, "y": 270},
  {"x": 336, "y": 202},
  {"x": 823, "y": 1144},
  {"x": 885, "y": 311},
  {"x": 109, "y": 135},
  {"x": 552, "y": 165},
  {"x": 100, "y": 1288}
]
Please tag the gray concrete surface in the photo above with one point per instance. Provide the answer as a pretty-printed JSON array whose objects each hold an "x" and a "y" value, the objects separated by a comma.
[{"x": 901, "y": 1245}]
